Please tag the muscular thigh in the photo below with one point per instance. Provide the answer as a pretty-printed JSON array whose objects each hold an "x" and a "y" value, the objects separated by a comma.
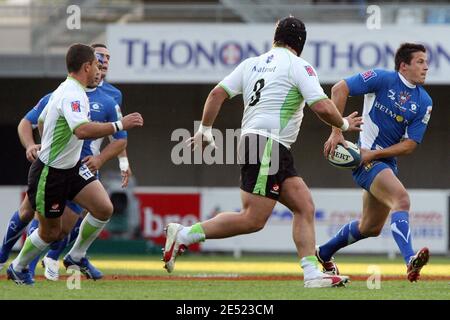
[
  {"x": 93, "y": 197},
  {"x": 387, "y": 188},
  {"x": 296, "y": 195},
  {"x": 257, "y": 207},
  {"x": 375, "y": 212}
]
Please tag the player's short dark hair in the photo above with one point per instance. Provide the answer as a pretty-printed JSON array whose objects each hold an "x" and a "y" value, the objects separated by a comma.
[
  {"x": 77, "y": 55},
  {"x": 292, "y": 32},
  {"x": 405, "y": 51},
  {"x": 99, "y": 45}
]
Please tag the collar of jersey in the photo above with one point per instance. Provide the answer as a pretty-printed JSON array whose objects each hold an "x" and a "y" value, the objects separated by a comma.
[
  {"x": 406, "y": 82},
  {"x": 78, "y": 82},
  {"x": 90, "y": 89}
]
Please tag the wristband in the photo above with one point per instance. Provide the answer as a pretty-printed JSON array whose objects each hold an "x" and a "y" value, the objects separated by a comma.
[
  {"x": 119, "y": 125},
  {"x": 205, "y": 130},
  {"x": 123, "y": 164},
  {"x": 345, "y": 125}
]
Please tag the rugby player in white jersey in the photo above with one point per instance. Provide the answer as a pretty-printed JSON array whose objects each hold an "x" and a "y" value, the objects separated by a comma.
[
  {"x": 275, "y": 87},
  {"x": 58, "y": 174}
]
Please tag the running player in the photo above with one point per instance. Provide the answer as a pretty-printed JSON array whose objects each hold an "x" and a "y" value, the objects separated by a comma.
[
  {"x": 58, "y": 175},
  {"x": 396, "y": 113},
  {"x": 275, "y": 87}
]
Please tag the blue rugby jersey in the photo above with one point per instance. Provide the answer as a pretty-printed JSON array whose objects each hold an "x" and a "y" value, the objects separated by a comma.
[
  {"x": 393, "y": 108},
  {"x": 111, "y": 91}
]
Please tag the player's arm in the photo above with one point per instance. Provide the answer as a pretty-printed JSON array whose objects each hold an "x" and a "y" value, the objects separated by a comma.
[
  {"x": 326, "y": 110},
  {"x": 25, "y": 132},
  {"x": 355, "y": 85},
  {"x": 112, "y": 150},
  {"x": 210, "y": 111},
  {"x": 229, "y": 87},
  {"x": 94, "y": 130},
  {"x": 125, "y": 169},
  {"x": 402, "y": 148},
  {"x": 339, "y": 95},
  {"x": 310, "y": 88}
]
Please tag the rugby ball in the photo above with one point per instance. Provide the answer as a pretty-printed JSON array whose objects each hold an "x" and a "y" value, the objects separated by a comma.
[{"x": 345, "y": 158}]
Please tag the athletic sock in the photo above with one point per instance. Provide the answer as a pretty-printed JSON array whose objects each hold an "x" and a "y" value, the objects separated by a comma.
[
  {"x": 402, "y": 234},
  {"x": 13, "y": 233},
  {"x": 192, "y": 234},
  {"x": 89, "y": 230},
  {"x": 347, "y": 235}
]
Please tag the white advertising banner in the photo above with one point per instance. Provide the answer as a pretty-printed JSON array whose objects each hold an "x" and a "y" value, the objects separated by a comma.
[
  {"x": 206, "y": 53},
  {"x": 334, "y": 208}
]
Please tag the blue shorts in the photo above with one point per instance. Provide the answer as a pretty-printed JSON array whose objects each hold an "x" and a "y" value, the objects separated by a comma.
[
  {"x": 74, "y": 207},
  {"x": 364, "y": 175}
]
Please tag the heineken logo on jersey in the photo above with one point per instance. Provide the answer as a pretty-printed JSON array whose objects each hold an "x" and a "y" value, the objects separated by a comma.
[
  {"x": 75, "y": 106},
  {"x": 310, "y": 71}
]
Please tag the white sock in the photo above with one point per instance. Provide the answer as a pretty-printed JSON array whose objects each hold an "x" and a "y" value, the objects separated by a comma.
[
  {"x": 90, "y": 228},
  {"x": 32, "y": 247},
  {"x": 310, "y": 267},
  {"x": 192, "y": 234}
]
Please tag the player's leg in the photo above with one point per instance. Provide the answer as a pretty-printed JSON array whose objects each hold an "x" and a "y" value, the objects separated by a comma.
[
  {"x": 47, "y": 193},
  {"x": 372, "y": 221},
  {"x": 33, "y": 226},
  {"x": 39, "y": 240},
  {"x": 296, "y": 195},
  {"x": 16, "y": 227},
  {"x": 94, "y": 198},
  {"x": 252, "y": 218},
  {"x": 388, "y": 189},
  {"x": 70, "y": 226},
  {"x": 257, "y": 204}
]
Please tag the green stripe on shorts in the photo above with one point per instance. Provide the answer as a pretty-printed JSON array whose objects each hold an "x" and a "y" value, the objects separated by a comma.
[
  {"x": 261, "y": 182},
  {"x": 40, "y": 195}
]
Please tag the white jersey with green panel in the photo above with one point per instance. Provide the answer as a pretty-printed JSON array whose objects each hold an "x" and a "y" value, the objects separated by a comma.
[
  {"x": 275, "y": 87},
  {"x": 67, "y": 109}
]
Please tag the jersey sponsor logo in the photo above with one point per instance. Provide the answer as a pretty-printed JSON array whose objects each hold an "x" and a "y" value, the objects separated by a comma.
[
  {"x": 413, "y": 107},
  {"x": 275, "y": 189},
  {"x": 263, "y": 69},
  {"x": 367, "y": 75},
  {"x": 390, "y": 113},
  {"x": 403, "y": 97},
  {"x": 269, "y": 58},
  {"x": 95, "y": 107},
  {"x": 76, "y": 107},
  {"x": 427, "y": 115},
  {"x": 391, "y": 95},
  {"x": 310, "y": 71}
]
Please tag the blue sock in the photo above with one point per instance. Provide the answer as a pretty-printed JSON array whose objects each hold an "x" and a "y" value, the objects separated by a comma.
[
  {"x": 56, "y": 248},
  {"x": 32, "y": 266},
  {"x": 347, "y": 235},
  {"x": 13, "y": 233},
  {"x": 402, "y": 233}
]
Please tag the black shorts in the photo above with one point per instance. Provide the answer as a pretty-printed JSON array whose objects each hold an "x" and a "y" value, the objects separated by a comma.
[
  {"x": 265, "y": 164},
  {"x": 49, "y": 188}
]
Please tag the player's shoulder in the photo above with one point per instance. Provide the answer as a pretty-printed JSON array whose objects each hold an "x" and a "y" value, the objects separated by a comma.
[
  {"x": 111, "y": 87},
  {"x": 425, "y": 96},
  {"x": 108, "y": 100},
  {"x": 378, "y": 74},
  {"x": 44, "y": 100}
]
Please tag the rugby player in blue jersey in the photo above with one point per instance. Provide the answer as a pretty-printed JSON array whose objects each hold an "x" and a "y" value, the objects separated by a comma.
[
  {"x": 396, "y": 113},
  {"x": 102, "y": 51}
]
